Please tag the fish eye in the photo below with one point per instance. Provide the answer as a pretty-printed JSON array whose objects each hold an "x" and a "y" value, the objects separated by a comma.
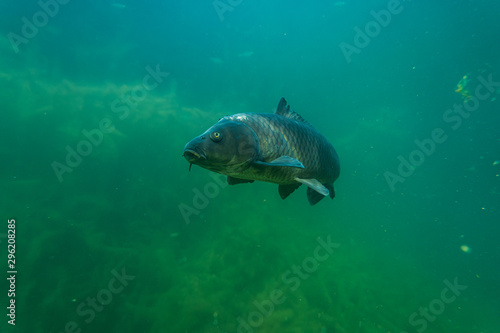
[{"x": 216, "y": 136}]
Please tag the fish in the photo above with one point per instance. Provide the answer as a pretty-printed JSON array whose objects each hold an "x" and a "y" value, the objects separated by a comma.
[
  {"x": 216, "y": 60},
  {"x": 280, "y": 148},
  {"x": 245, "y": 54}
]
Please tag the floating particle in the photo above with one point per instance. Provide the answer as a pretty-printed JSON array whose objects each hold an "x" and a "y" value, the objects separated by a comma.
[
  {"x": 465, "y": 248},
  {"x": 462, "y": 88}
]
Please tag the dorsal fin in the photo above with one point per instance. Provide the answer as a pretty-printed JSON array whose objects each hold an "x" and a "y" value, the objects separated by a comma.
[{"x": 284, "y": 110}]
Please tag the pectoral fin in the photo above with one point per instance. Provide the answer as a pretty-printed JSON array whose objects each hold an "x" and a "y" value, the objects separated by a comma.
[{"x": 283, "y": 161}]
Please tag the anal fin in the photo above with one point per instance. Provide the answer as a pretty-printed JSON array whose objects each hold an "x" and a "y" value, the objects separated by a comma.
[
  {"x": 315, "y": 190},
  {"x": 315, "y": 185}
]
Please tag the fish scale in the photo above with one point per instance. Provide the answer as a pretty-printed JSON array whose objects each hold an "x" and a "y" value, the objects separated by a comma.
[
  {"x": 281, "y": 136},
  {"x": 280, "y": 148}
]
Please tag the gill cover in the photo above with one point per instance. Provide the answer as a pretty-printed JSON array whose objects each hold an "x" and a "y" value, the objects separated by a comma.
[{"x": 228, "y": 146}]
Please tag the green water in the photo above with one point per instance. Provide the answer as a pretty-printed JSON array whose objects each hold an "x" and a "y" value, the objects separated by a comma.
[{"x": 113, "y": 234}]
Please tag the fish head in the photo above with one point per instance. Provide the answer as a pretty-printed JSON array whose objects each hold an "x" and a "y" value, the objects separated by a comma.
[{"x": 227, "y": 147}]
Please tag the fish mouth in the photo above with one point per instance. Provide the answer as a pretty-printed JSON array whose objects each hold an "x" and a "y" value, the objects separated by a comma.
[{"x": 192, "y": 155}]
